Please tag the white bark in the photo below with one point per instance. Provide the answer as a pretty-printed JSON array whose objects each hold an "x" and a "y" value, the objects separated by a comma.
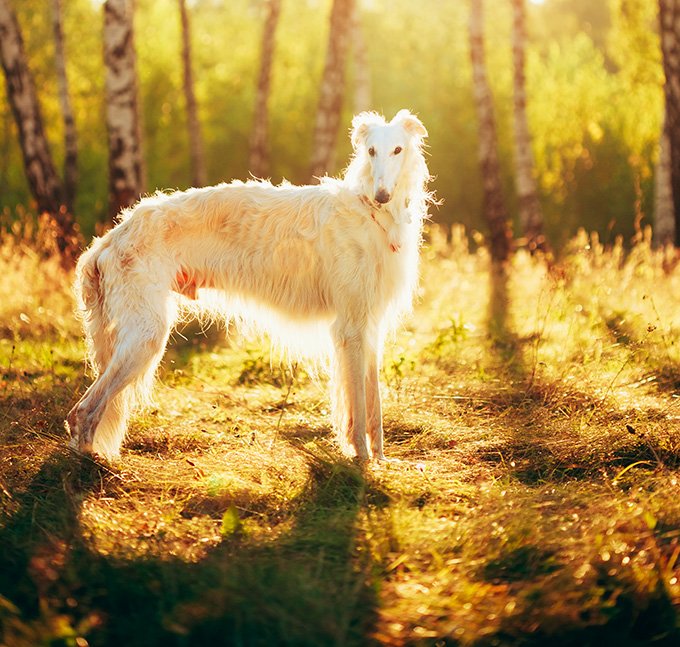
[
  {"x": 664, "y": 221},
  {"x": 332, "y": 88},
  {"x": 41, "y": 174},
  {"x": 122, "y": 110},
  {"x": 495, "y": 212},
  {"x": 530, "y": 215},
  {"x": 363, "y": 93},
  {"x": 199, "y": 175},
  {"x": 259, "y": 143},
  {"x": 70, "y": 133}
]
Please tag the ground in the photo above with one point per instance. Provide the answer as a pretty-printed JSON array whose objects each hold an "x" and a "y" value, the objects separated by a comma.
[{"x": 534, "y": 414}]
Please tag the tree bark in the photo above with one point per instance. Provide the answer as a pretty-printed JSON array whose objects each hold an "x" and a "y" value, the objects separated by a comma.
[
  {"x": 70, "y": 133},
  {"x": 664, "y": 219},
  {"x": 669, "y": 18},
  {"x": 332, "y": 88},
  {"x": 43, "y": 180},
  {"x": 259, "y": 143},
  {"x": 199, "y": 175},
  {"x": 362, "y": 71},
  {"x": 495, "y": 212},
  {"x": 530, "y": 213},
  {"x": 122, "y": 106}
]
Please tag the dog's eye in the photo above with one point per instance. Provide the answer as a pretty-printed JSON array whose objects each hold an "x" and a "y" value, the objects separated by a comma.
[
  {"x": 371, "y": 151},
  {"x": 397, "y": 150}
]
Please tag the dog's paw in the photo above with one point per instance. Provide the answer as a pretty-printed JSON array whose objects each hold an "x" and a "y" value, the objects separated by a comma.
[
  {"x": 384, "y": 460},
  {"x": 81, "y": 446}
]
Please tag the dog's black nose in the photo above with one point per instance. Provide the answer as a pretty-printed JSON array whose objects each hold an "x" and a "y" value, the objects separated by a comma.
[{"x": 382, "y": 196}]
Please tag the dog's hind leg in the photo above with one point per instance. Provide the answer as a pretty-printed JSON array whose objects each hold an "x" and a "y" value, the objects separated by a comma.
[
  {"x": 350, "y": 401},
  {"x": 99, "y": 420}
]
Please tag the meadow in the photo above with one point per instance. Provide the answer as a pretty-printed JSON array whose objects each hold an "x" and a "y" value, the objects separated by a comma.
[{"x": 535, "y": 413}]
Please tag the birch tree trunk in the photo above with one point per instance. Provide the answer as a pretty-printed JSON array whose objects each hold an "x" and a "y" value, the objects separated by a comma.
[
  {"x": 362, "y": 72},
  {"x": 199, "y": 175},
  {"x": 43, "y": 181},
  {"x": 495, "y": 212},
  {"x": 664, "y": 221},
  {"x": 530, "y": 214},
  {"x": 70, "y": 133},
  {"x": 332, "y": 88},
  {"x": 259, "y": 143},
  {"x": 669, "y": 18},
  {"x": 122, "y": 106}
]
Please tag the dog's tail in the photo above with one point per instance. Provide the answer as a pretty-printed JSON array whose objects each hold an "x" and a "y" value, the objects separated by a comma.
[{"x": 90, "y": 298}]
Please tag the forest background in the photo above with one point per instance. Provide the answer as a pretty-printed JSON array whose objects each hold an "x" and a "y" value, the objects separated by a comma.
[{"x": 594, "y": 99}]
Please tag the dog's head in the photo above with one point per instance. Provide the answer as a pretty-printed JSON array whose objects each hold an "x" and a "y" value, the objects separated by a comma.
[{"x": 387, "y": 149}]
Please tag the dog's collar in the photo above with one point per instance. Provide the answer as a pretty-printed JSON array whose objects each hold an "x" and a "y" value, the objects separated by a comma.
[
  {"x": 369, "y": 203},
  {"x": 375, "y": 209},
  {"x": 372, "y": 208}
]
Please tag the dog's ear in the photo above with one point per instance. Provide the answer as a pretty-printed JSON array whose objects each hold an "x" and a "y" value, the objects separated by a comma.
[
  {"x": 411, "y": 123},
  {"x": 361, "y": 124}
]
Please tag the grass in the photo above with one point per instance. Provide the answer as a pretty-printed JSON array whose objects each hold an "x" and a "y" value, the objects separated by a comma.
[{"x": 536, "y": 414}]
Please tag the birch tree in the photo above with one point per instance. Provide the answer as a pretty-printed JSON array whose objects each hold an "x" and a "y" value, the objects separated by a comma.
[
  {"x": 43, "y": 180},
  {"x": 495, "y": 212},
  {"x": 70, "y": 133},
  {"x": 669, "y": 19},
  {"x": 362, "y": 71},
  {"x": 199, "y": 175},
  {"x": 664, "y": 220},
  {"x": 332, "y": 88},
  {"x": 530, "y": 214},
  {"x": 122, "y": 109},
  {"x": 259, "y": 143}
]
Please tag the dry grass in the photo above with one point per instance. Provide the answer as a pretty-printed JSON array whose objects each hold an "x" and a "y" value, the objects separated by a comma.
[{"x": 536, "y": 416}]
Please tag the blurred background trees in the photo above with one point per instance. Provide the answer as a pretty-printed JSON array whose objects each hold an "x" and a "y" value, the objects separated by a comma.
[
  {"x": 126, "y": 161},
  {"x": 669, "y": 19},
  {"x": 194, "y": 131},
  {"x": 593, "y": 80},
  {"x": 44, "y": 184},
  {"x": 332, "y": 88},
  {"x": 493, "y": 206},
  {"x": 259, "y": 143},
  {"x": 528, "y": 202},
  {"x": 70, "y": 173}
]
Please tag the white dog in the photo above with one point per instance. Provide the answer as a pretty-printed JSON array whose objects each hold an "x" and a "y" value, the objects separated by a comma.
[{"x": 342, "y": 255}]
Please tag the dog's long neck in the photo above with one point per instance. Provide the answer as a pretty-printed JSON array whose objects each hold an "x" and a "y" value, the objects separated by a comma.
[
  {"x": 402, "y": 217},
  {"x": 408, "y": 205}
]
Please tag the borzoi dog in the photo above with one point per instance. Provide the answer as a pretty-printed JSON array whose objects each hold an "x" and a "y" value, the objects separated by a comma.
[{"x": 342, "y": 254}]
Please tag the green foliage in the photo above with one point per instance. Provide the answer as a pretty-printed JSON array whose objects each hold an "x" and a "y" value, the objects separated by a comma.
[{"x": 595, "y": 153}]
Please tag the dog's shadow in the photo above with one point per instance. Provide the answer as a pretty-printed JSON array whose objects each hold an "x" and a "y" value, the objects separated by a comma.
[{"x": 310, "y": 586}]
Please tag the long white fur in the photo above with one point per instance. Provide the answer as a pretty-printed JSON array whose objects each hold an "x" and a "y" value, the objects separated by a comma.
[{"x": 287, "y": 259}]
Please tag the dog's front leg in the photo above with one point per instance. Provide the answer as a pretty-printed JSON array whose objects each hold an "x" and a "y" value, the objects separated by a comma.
[
  {"x": 350, "y": 348},
  {"x": 374, "y": 409}
]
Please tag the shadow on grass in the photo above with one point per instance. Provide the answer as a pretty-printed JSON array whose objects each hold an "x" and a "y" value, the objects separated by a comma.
[
  {"x": 540, "y": 441},
  {"x": 312, "y": 586},
  {"x": 532, "y": 408},
  {"x": 506, "y": 345}
]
